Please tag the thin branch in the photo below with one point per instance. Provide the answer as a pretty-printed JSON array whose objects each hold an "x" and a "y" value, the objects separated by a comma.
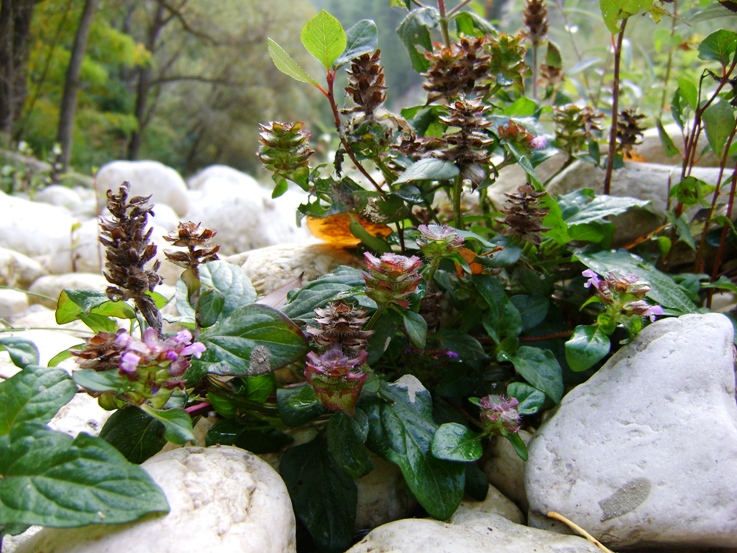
[
  {"x": 576, "y": 528},
  {"x": 615, "y": 109},
  {"x": 459, "y": 7}
]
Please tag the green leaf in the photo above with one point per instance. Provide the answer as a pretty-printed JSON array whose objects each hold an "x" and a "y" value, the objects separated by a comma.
[
  {"x": 401, "y": 429},
  {"x": 98, "y": 381},
  {"x": 538, "y": 367},
  {"x": 414, "y": 32},
  {"x": 324, "y": 497},
  {"x": 600, "y": 207},
  {"x": 134, "y": 433},
  {"x": 177, "y": 424},
  {"x": 299, "y": 405},
  {"x": 324, "y": 38},
  {"x": 615, "y": 10},
  {"x": 522, "y": 107},
  {"x": 519, "y": 446},
  {"x": 255, "y": 436},
  {"x": 502, "y": 319},
  {"x": 46, "y": 478},
  {"x": 429, "y": 169},
  {"x": 254, "y": 340},
  {"x": 465, "y": 346},
  {"x": 98, "y": 323},
  {"x": 552, "y": 56},
  {"x": 372, "y": 242},
  {"x": 532, "y": 309},
  {"x": 231, "y": 282},
  {"x": 689, "y": 92},
  {"x": 317, "y": 293},
  {"x": 719, "y": 123},
  {"x": 588, "y": 345},
  {"x": 666, "y": 141},
  {"x": 287, "y": 65},
  {"x": 209, "y": 307},
  {"x": 33, "y": 395},
  {"x": 664, "y": 292},
  {"x": 73, "y": 303},
  {"x": 416, "y": 328},
  {"x": 362, "y": 38},
  {"x": 455, "y": 442},
  {"x": 471, "y": 24},
  {"x": 531, "y": 400},
  {"x": 345, "y": 437},
  {"x": 719, "y": 46},
  {"x": 22, "y": 351}
]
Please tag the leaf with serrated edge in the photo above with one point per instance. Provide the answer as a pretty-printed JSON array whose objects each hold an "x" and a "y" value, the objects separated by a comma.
[
  {"x": 48, "y": 478},
  {"x": 34, "y": 394},
  {"x": 323, "y": 37},
  {"x": 287, "y": 65}
]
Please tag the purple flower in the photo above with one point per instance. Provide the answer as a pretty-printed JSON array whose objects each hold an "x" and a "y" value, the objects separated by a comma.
[
  {"x": 643, "y": 309},
  {"x": 129, "y": 362},
  {"x": 539, "y": 142},
  {"x": 593, "y": 279},
  {"x": 337, "y": 379},
  {"x": 500, "y": 415}
]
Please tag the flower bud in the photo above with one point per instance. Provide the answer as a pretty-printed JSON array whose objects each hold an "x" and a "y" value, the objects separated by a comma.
[
  {"x": 336, "y": 379},
  {"x": 392, "y": 278},
  {"x": 500, "y": 415}
]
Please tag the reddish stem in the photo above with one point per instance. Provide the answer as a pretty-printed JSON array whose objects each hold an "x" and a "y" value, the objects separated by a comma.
[{"x": 615, "y": 110}]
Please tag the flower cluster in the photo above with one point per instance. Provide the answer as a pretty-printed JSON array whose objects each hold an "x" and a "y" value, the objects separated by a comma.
[
  {"x": 149, "y": 369},
  {"x": 499, "y": 415},
  {"x": 626, "y": 293},
  {"x": 392, "y": 278},
  {"x": 438, "y": 241},
  {"x": 337, "y": 379}
]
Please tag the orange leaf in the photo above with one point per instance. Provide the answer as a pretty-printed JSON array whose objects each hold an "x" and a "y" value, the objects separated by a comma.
[{"x": 336, "y": 230}]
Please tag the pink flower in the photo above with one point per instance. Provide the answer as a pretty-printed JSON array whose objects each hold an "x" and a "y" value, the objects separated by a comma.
[
  {"x": 539, "y": 142},
  {"x": 337, "y": 379},
  {"x": 392, "y": 278},
  {"x": 500, "y": 415},
  {"x": 593, "y": 279}
]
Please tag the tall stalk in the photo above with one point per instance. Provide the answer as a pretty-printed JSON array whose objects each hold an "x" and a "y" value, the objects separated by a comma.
[{"x": 615, "y": 109}]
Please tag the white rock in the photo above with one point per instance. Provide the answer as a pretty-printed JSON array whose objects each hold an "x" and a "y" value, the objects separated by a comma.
[
  {"x": 382, "y": 495},
  {"x": 652, "y": 149},
  {"x": 222, "y": 499},
  {"x": 12, "y": 302},
  {"x": 477, "y": 533},
  {"x": 52, "y": 285},
  {"x": 165, "y": 217},
  {"x": 645, "y": 452},
  {"x": 272, "y": 267},
  {"x": 246, "y": 217},
  {"x": 35, "y": 229},
  {"x": 61, "y": 196},
  {"x": 18, "y": 270},
  {"x": 220, "y": 174},
  {"x": 513, "y": 176},
  {"x": 496, "y": 503},
  {"x": 82, "y": 414},
  {"x": 147, "y": 178},
  {"x": 506, "y": 470}
]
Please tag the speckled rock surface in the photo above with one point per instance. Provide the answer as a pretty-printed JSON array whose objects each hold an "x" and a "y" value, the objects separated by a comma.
[
  {"x": 222, "y": 499},
  {"x": 506, "y": 471},
  {"x": 645, "y": 452}
]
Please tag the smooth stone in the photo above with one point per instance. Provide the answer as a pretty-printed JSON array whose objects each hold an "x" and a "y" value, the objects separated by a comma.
[
  {"x": 18, "y": 270},
  {"x": 62, "y": 196},
  {"x": 12, "y": 302},
  {"x": 35, "y": 229},
  {"x": 651, "y": 148},
  {"x": 223, "y": 500},
  {"x": 246, "y": 217},
  {"x": 496, "y": 503},
  {"x": 273, "y": 267},
  {"x": 506, "y": 471},
  {"x": 644, "y": 454},
  {"x": 82, "y": 414},
  {"x": 146, "y": 178},
  {"x": 475, "y": 533},
  {"x": 225, "y": 174}
]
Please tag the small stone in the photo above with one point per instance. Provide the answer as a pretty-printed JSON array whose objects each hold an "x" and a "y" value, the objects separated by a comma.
[
  {"x": 506, "y": 471},
  {"x": 644, "y": 454},
  {"x": 222, "y": 500},
  {"x": 12, "y": 302},
  {"x": 18, "y": 270},
  {"x": 496, "y": 503},
  {"x": 477, "y": 533}
]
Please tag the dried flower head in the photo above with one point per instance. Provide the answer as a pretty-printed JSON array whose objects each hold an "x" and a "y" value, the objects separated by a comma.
[
  {"x": 101, "y": 352},
  {"x": 127, "y": 251},
  {"x": 366, "y": 83},
  {"x": 459, "y": 69},
  {"x": 469, "y": 146},
  {"x": 575, "y": 126},
  {"x": 188, "y": 235},
  {"x": 535, "y": 19},
  {"x": 524, "y": 214},
  {"x": 340, "y": 327},
  {"x": 629, "y": 131}
]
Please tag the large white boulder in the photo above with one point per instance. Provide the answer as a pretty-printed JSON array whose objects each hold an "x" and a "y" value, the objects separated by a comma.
[
  {"x": 222, "y": 500},
  {"x": 147, "y": 178},
  {"x": 644, "y": 453},
  {"x": 221, "y": 174},
  {"x": 245, "y": 216},
  {"x": 38, "y": 230},
  {"x": 474, "y": 532},
  {"x": 506, "y": 471},
  {"x": 47, "y": 289},
  {"x": 272, "y": 267},
  {"x": 18, "y": 270}
]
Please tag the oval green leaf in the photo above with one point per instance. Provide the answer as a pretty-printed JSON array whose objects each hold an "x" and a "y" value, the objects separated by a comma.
[
  {"x": 324, "y": 38},
  {"x": 455, "y": 442},
  {"x": 587, "y": 346}
]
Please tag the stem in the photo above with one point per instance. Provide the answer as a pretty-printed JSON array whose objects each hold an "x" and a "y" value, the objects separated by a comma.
[
  {"x": 198, "y": 409},
  {"x": 534, "y": 71},
  {"x": 563, "y": 14},
  {"x": 375, "y": 317},
  {"x": 551, "y": 336},
  {"x": 615, "y": 110},
  {"x": 669, "y": 65},
  {"x": 457, "y": 193},
  {"x": 725, "y": 229},
  {"x": 459, "y": 7},
  {"x": 444, "y": 22},
  {"x": 339, "y": 127}
]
